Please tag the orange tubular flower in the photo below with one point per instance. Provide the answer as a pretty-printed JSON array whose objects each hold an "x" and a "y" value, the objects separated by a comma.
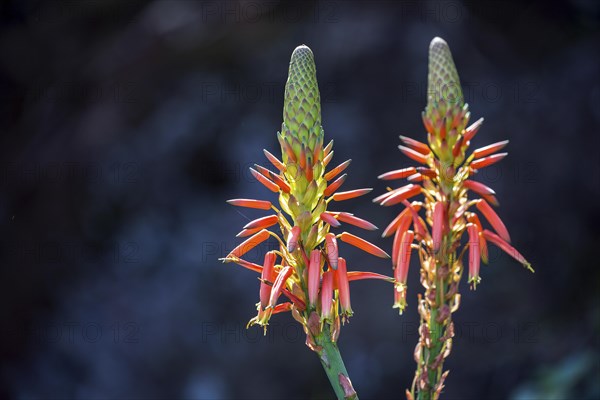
[
  {"x": 306, "y": 269},
  {"x": 445, "y": 183}
]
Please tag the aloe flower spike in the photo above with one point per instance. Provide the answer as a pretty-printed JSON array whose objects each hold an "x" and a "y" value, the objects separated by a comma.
[
  {"x": 306, "y": 270},
  {"x": 446, "y": 185}
]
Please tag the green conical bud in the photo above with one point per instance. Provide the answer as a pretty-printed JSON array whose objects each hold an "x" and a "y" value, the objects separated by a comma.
[
  {"x": 443, "y": 82},
  {"x": 302, "y": 105},
  {"x": 446, "y": 114}
]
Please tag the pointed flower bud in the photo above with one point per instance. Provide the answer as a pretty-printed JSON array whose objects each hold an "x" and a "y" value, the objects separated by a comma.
[
  {"x": 493, "y": 219},
  {"x": 507, "y": 248},
  {"x": 250, "y": 203},
  {"x": 302, "y": 104},
  {"x": 405, "y": 221},
  {"x": 263, "y": 222},
  {"x": 443, "y": 83},
  {"x": 401, "y": 271},
  {"x": 278, "y": 285},
  {"x": 249, "y": 244},
  {"x": 363, "y": 245}
]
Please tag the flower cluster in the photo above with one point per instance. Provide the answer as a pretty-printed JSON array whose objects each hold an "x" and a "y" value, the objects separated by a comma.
[
  {"x": 306, "y": 269},
  {"x": 444, "y": 178}
]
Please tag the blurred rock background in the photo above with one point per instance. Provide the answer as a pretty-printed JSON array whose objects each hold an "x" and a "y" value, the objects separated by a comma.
[{"x": 125, "y": 125}]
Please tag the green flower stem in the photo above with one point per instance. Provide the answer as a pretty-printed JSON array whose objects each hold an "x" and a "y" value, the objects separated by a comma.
[
  {"x": 437, "y": 331},
  {"x": 334, "y": 367}
]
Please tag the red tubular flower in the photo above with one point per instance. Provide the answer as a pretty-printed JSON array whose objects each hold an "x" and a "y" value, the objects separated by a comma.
[
  {"x": 314, "y": 276},
  {"x": 401, "y": 271},
  {"x": 263, "y": 222},
  {"x": 474, "y": 255},
  {"x": 416, "y": 145},
  {"x": 278, "y": 286},
  {"x": 489, "y": 149},
  {"x": 337, "y": 170},
  {"x": 249, "y": 203},
  {"x": 400, "y": 230},
  {"x": 396, "y": 222},
  {"x": 472, "y": 130},
  {"x": 269, "y": 184},
  {"x": 478, "y": 187},
  {"x": 398, "y": 174},
  {"x": 415, "y": 155},
  {"x": 343, "y": 285},
  {"x": 351, "y": 194},
  {"x": 249, "y": 244},
  {"x": 248, "y": 232},
  {"x": 474, "y": 219},
  {"x": 352, "y": 220},
  {"x": 507, "y": 248},
  {"x": 267, "y": 275},
  {"x": 493, "y": 219},
  {"x": 326, "y": 296},
  {"x": 282, "y": 184},
  {"x": 363, "y": 245},
  {"x": 249, "y": 265},
  {"x": 487, "y": 161},
  {"x": 335, "y": 185},
  {"x": 405, "y": 192},
  {"x": 274, "y": 160}
]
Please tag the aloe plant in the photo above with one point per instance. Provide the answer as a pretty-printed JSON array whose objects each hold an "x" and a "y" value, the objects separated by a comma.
[
  {"x": 306, "y": 269},
  {"x": 444, "y": 179}
]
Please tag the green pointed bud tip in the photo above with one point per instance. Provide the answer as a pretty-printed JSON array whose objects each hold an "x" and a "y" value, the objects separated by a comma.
[
  {"x": 443, "y": 81},
  {"x": 302, "y": 104}
]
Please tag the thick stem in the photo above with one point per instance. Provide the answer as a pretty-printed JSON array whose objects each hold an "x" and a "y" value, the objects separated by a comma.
[
  {"x": 437, "y": 331},
  {"x": 436, "y": 317},
  {"x": 332, "y": 362}
]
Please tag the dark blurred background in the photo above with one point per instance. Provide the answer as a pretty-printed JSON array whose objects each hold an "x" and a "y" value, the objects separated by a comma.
[{"x": 125, "y": 125}]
